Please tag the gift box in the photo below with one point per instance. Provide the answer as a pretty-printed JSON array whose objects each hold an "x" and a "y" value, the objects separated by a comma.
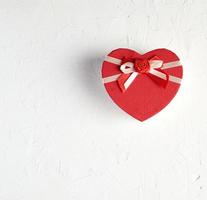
[{"x": 142, "y": 85}]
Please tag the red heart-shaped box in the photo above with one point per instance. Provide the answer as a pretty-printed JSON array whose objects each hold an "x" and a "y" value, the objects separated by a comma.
[{"x": 144, "y": 97}]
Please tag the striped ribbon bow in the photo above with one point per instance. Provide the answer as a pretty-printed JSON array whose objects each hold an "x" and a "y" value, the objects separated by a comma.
[{"x": 132, "y": 67}]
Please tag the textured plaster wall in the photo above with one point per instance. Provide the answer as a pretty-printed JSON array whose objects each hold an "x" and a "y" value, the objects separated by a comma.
[{"x": 62, "y": 138}]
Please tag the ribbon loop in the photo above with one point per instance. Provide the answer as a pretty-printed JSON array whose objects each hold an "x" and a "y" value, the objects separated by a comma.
[
  {"x": 155, "y": 64},
  {"x": 127, "y": 67}
]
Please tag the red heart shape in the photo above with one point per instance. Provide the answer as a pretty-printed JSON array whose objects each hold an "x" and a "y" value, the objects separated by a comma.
[{"x": 144, "y": 97}]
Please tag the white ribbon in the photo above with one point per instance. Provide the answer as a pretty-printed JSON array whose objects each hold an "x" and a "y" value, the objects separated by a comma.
[{"x": 128, "y": 68}]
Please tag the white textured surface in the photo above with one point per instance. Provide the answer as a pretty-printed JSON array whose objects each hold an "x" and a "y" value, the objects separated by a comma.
[{"x": 61, "y": 137}]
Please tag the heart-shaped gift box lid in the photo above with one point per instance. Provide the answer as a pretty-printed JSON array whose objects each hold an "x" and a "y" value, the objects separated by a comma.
[{"x": 142, "y": 85}]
